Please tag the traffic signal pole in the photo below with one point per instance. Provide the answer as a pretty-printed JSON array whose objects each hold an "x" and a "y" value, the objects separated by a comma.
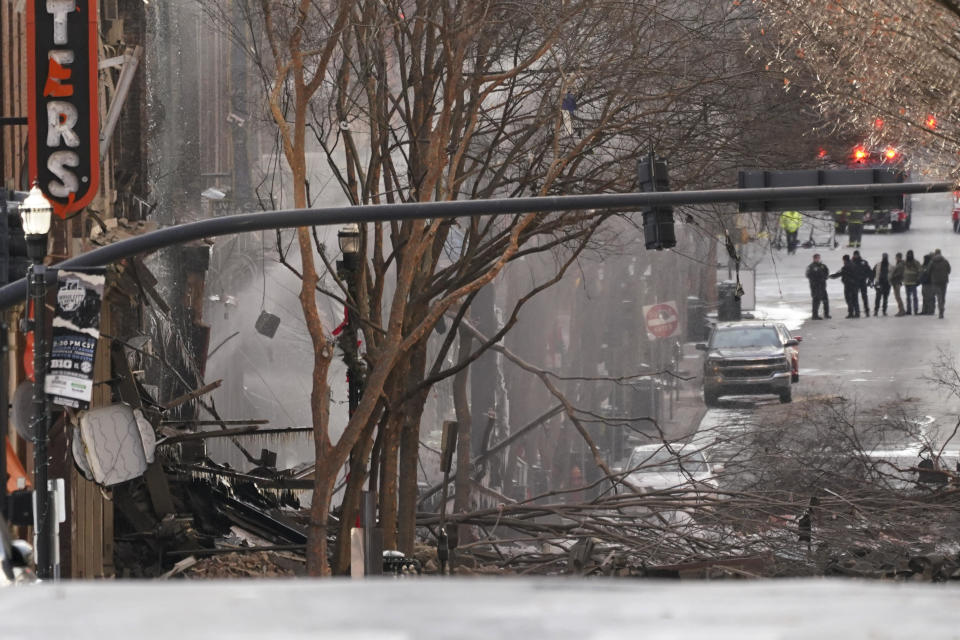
[{"x": 291, "y": 218}]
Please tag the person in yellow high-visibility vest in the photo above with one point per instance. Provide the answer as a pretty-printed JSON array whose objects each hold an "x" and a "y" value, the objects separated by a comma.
[{"x": 790, "y": 222}]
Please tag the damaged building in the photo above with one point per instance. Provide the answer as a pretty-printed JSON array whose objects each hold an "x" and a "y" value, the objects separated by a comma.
[{"x": 140, "y": 508}]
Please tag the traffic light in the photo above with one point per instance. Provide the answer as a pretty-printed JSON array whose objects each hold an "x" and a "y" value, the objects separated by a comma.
[
  {"x": 890, "y": 153},
  {"x": 860, "y": 154},
  {"x": 13, "y": 246},
  {"x": 658, "y": 232}
]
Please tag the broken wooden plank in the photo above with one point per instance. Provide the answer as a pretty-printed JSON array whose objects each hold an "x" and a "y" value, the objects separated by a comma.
[
  {"x": 147, "y": 282},
  {"x": 260, "y": 481},
  {"x": 226, "y": 433},
  {"x": 180, "y": 567},
  {"x": 126, "y": 385},
  {"x": 196, "y": 393},
  {"x": 203, "y": 435}
]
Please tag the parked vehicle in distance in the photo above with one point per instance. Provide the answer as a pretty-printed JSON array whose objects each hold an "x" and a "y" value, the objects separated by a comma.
[
  {"x": 668, "y": 466},
  {"x": 747, "y": 358},
  {"x": 900, "y": 218},
  {"x": 679, "y": 470},
  {"x": 793, "y": 352},
  {"x": 955, "y": 215}
]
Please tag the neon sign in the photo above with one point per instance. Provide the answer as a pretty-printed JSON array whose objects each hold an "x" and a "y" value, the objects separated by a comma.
[{"x": 62, "y": 97}]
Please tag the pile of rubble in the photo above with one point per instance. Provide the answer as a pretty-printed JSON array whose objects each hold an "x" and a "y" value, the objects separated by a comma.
[{"x": 259, "y": 564}]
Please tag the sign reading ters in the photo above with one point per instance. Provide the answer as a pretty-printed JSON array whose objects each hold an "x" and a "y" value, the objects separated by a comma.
[{"x": 63, "y": 110}]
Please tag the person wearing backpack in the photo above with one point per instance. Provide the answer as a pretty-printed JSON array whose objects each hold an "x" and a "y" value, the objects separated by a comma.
[
  {"x": 911, "y": 278},
  {"x": 939, "y": 276}
]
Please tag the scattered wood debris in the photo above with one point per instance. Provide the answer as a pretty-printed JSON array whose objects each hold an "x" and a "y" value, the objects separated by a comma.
[{"x": 260, "y": 564}]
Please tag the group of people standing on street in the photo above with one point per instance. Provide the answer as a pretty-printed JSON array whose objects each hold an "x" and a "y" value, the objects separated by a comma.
[{"x": 931, "y": 277}]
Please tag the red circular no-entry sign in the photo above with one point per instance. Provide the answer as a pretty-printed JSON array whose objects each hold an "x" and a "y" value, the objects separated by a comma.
[{"x": 662, "y": 320}]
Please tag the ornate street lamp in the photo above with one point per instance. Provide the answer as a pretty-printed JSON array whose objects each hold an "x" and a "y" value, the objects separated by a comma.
[
  {"x": 36, "y": 212},
  {"x": 349, "y": 238}
]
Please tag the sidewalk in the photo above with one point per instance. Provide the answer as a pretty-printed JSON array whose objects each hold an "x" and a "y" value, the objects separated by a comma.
[{"x": 682, "y": 410}]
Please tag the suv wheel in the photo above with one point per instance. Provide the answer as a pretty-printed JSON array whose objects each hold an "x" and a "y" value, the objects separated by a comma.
[
  {"x": 710, "y": 398},
  {"x": 786, "y": 396}
]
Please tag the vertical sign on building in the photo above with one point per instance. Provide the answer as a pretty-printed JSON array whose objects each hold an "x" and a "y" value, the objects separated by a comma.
[
  {"x": 62, "y": 97},
  {"x": 76, "y": 329}
]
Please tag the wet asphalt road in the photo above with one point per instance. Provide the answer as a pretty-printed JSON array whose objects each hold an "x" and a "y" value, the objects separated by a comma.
[{"x": 877, "y": 362}]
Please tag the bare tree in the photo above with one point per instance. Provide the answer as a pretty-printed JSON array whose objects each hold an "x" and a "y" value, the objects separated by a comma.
[
  {"x": 851, "y": 57},
  {"x": 430, "y": 100}
]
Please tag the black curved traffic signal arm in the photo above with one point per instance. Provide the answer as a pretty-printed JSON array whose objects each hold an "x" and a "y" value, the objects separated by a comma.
[{"x": 291, "y": 218}]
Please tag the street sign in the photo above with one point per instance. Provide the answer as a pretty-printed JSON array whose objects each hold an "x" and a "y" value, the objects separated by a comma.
[
  {"x": 662, "y": 318},
  {"x": 63, "y": 102},
  {"x": 759, "y": 178}
]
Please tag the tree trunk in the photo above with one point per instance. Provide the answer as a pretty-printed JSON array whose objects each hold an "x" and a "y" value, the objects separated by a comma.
[
  {"x": 317, "y": 564},
  {"x": 409, "y": 454},
  {"x": 388, "y": 480},
  {"x": 350, "y": 506},
  {"x": 461, "y": 501}
]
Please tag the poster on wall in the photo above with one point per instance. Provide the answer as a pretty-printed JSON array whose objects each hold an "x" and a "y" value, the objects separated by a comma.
[{"x": 76, "y": 329}]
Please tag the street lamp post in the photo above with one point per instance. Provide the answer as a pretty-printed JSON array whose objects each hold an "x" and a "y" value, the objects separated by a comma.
[
  {"x": 36, "y": 213},
  {"x": 349, "y": 239},
  {"x": 349, "y": 270}
]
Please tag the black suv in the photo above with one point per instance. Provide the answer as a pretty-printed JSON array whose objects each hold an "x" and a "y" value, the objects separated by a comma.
[{"x": 746, "y": 358}]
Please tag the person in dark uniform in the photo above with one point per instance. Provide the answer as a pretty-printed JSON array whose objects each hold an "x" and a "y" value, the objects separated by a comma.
[
  {"x": 817, "y": 274},
  {"x": 939, "y": 276},
  {"x": 848, "y": 275},
  {"x": 881, "y": 280},
  {"x": 855, "y": 227},
  {"x": 926, "y": 291},
  {"x": 864, "y": 279}
]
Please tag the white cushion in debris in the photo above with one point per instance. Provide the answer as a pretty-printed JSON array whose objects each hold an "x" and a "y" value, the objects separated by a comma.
[{"x": 118, "y": 442}]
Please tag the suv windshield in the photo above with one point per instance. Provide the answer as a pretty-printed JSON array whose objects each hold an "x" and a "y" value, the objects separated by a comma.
[{"x": 746, "y": 337}]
